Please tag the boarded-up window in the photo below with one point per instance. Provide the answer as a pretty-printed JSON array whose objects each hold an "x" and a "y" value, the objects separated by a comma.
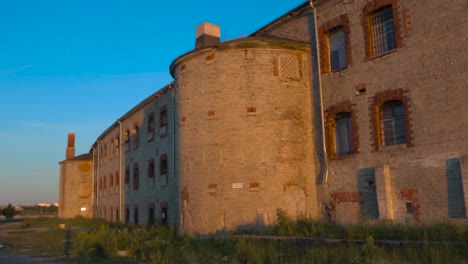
[
  {"x": 367, "y": 194},
  {"x": 456, "y": 198}
]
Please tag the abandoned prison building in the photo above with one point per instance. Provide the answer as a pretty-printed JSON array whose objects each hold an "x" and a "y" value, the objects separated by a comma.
[{"x": 345, "y": 110}]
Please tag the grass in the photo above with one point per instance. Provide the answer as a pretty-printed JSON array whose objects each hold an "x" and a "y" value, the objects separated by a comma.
[{"x": 98, "y": 242}]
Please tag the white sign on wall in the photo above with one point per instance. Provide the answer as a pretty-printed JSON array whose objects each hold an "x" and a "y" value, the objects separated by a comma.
[{"x": 238, "y": 185}]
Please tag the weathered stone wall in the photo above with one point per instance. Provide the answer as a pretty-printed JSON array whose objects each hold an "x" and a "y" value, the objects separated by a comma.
[
  {"x": 244, "y": 135},
  {"x": 75, "y": 188}
]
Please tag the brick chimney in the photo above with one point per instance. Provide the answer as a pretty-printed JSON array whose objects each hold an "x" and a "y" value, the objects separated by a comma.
[
  {"x": 207, "y": 34},
  {"x": 71, "y": 146}
]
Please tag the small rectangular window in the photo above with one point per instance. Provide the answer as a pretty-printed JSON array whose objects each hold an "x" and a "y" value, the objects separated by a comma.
[
  {"x": 127, "y": 175},
  {"x": 135, "y": 215},
  {"x": 127, "y": 215},
  {"x": 409, "y": 208},
  {"x": 163, "y": 121},
  {"x": 136, "y": 177},
  {"x": 151, "y": 219},
  {"x": 163, "y": 170},
  {"x": 150, "y": 180},
  {"x": 164, "y": 215}
]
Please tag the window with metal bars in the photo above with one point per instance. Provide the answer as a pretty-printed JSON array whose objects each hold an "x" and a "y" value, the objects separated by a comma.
[
  {"x": 392, "y": 123},
  {"x": 382, "y": 31}
]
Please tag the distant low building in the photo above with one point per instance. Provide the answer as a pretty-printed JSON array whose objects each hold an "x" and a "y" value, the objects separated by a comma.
[{"x": 76, "y": 178}]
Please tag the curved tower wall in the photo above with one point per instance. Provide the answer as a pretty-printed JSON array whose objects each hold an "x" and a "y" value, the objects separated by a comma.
[{"x": 245, "y": 140}]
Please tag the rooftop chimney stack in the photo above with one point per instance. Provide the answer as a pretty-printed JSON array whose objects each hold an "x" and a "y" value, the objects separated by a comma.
[
  {"x": 207, "y": 35},
  {"x": 71, "y": 146}
]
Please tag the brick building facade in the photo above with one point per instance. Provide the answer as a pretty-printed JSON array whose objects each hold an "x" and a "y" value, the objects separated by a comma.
[{"x": 348, "y": 110}]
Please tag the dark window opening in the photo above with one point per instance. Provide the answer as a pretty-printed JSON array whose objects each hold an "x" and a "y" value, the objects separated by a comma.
[
  {"x": 409, "y": 208},
  {"x": 136, "y": 177},
  {"x": 164, "y": 215},
  {"x": 135, "y": 216},
  {"x": 127, "y": 215},
  {"x": 151, "y": 216}
]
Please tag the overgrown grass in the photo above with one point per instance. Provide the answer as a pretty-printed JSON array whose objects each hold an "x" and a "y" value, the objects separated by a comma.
[
  {"x": 382, "y": 231},
  {"x": 98, "y": 240}
]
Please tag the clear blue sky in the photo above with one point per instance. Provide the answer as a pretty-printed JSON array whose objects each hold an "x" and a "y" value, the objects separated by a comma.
[{"x": 77, "y": 66}]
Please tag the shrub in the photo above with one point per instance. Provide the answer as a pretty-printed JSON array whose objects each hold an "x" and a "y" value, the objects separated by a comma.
[{"x": 9, "y": 212}]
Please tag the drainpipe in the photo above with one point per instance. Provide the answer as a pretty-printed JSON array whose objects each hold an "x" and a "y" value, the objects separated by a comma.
[
  {"x": 121, "y": 192},
  {"x": 323, "y": 176}
]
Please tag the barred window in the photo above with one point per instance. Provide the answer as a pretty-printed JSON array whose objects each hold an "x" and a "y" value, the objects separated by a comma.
[
  {"x": 392, "y": 122},
  {"x": 337, "y": 44},
  {"x": 343, "y": 136},
  {"x": 382, "y": 31}
]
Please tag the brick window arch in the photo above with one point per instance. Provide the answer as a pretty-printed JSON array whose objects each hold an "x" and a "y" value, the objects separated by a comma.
[
  {"x": 382, "y": 27},
  {"x": 341, "y": 131},
  {"x": 335, "y": 44},
  {"x": 390, "y": 117}
]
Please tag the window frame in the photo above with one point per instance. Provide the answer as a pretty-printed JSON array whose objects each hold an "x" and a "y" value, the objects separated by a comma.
[
  {"x": 344, "y": 108},
  {"x": 393, "y": 130},
  {"x": 341, "y": 47},
  {"x": 151, "y": 174},
  {"x": 136, "y": 177},
  {"x": 163, "y": 121},
  {"x": 163, "y": 170},
  {"x": 340, "y": 22},
  {"x": 348, "y": 130},
  {"x": 375, "y": 105},
  {"x": 372, "y": 8}
]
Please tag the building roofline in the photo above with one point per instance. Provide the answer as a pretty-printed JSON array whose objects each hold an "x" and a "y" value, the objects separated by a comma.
[
  {"x": 286, "y": 17},
  {"x": 136, "y": 108},
  {"x": 242, "y": 43},
  {"x": 82, "y": 157}
]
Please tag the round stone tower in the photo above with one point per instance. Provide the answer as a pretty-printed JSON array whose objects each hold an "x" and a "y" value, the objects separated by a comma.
[{"x": 244, "y": 134}]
